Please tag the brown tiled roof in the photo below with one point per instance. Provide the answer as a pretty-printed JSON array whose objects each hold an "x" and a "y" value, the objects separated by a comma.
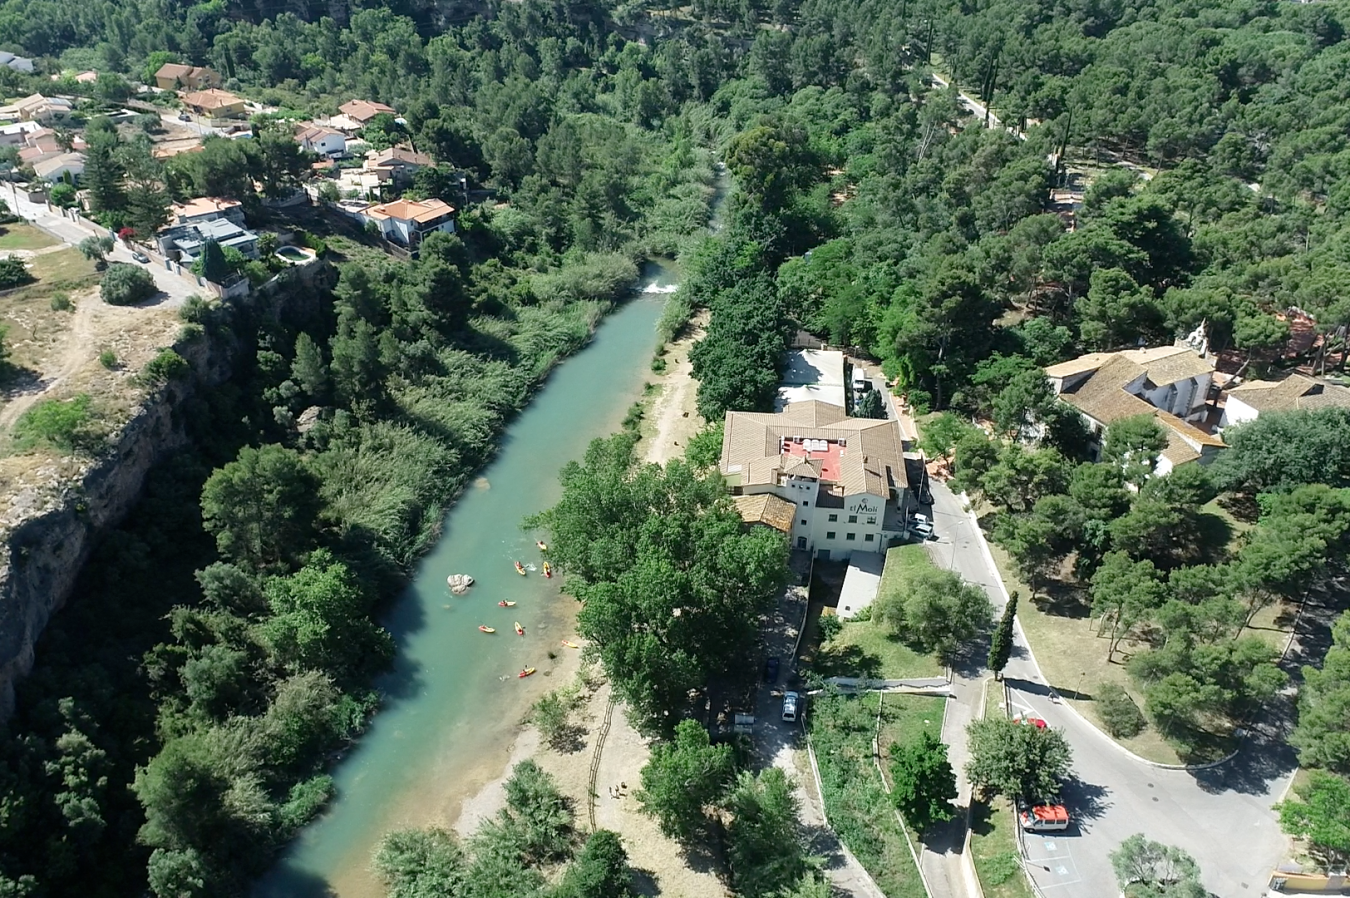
[
  {"x": 1294, "y": 392},
  {"x": 211, "y": 98},
  {"x": 871, "y": 462},
  {"x": 1169, "y": 364},
  {"x": 1178, "y": 451},
  {"x": 767, "y": 509},
  {"x": 173, "y": 70},
  {"x": 1103, "y": 396},
  {"x": 363, "y": 110},
  {"x": 410, "y": 210},
  {"x": 399, "y": 154},
  {"x": 1090, "y": 362}
]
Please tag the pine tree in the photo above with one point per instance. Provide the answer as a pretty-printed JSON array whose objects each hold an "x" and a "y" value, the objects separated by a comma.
[
  {"x": 212, "y": 264},
  {"x": 308, "y": 369},
  {"x": 1000, "y": 647},
  {"x": 103, "y": 172}
]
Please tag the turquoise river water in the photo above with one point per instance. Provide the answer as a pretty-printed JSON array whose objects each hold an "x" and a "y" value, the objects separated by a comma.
[{"x": 453, "y": 701}]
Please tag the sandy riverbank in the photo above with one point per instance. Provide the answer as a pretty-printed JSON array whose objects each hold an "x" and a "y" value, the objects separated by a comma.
[{"x": 671, "y": 419}]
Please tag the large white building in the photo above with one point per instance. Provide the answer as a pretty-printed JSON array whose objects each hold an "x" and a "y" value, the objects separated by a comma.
[
  {"x": 844, "y": 478},
  {"x": 1246, "y": 402},
  {"x": 1171, "y": 383}
]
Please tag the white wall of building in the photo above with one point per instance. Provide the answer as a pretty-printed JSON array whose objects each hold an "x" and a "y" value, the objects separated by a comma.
[
  {"x": 1235, "y": 411},
  {"x": 856, "y": 527}
]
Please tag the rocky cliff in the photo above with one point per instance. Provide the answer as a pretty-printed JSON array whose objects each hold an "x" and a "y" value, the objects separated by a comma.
[{"x": 48, "y": 533}]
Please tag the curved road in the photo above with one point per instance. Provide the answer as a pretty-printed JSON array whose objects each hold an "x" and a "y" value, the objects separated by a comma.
[{"x": 1222, "y": 816}]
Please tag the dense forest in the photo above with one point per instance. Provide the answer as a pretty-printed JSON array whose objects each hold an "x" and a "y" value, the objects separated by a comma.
[{"x": 219, "y": 647}]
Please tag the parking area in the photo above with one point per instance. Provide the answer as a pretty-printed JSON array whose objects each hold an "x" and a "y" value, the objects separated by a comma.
[{"x": 1050, "y": 859}]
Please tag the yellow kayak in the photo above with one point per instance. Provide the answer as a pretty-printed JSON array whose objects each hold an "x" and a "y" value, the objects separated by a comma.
[
  {"x": 570, "y": 645},
  {"x": 488, "y": 629}
]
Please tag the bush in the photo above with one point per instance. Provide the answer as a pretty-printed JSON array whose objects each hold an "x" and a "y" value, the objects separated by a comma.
[
  {"x": 166, "y": 366},
  {"x": 61, "y": 303},
  {"x": 659, "y": 364},
  {"x": 126, "y": 285},
  {"x": 61, "y": 423},
  {"x": 108, "y": 359},
  {"x": 1120, "y": 715},
  {"x": 13, "y": 273},
  {"x": 830, "y": 626}
]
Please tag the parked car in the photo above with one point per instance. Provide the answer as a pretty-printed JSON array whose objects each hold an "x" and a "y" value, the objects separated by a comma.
[
  {"x": 1043, "y": 818},
  {"x": 921, "y": 528},
  {"x": 184, "y": 117},
  {"x": 771, "y": 670},
  {"x": 790, "y": 702},
  {"x": 140, "y": 257}
]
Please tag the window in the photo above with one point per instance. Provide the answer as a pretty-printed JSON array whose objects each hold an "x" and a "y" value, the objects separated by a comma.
[
  {"x": 850, "y": 536},
  {"x": 806, "y": 504},
  {"x": 803, "y": 522},
  {"x": 833, "y": 518},
  {"x": 829, "y": 534},
  {"x": 801, "y": 542},
  {"x": 853, "y": 519},
  {"x": 869, "y": 537},
  {"x": 872, "y": 520}
]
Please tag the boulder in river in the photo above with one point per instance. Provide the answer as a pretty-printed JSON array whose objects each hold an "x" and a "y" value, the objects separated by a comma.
[{"x": 459, "y": 583}]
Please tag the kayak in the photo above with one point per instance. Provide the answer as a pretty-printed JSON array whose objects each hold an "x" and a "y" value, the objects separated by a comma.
[
  {"x": 520, "y": 631},
  {"x": 488, "y": 629},
  {"x": 506, "y": 604},
  {"x": 543, "y": 546},
  {"x": 570, "y": 645},
  {"x": 520, "y": 569},
  {"x": 526, "y": 672},
  {"x": 548, "y": 569}
]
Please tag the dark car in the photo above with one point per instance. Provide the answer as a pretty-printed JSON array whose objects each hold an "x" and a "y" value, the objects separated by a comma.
[{"x": 771, "y": 670}]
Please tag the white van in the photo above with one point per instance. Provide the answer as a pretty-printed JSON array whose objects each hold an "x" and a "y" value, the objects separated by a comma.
[{"x": 790, "y": 701}]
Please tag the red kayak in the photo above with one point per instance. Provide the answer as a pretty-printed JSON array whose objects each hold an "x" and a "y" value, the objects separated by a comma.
[{"x": 526, "y": 672}]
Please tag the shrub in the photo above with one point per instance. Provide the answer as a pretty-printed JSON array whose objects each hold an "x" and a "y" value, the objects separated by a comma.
[
  {"x": 108, "y": 359},
  {"x": 13, "y": 273},
  {"x": 61, "y": 303},
  {"x": 659, "y": 364},
  {"x": 166, "y": 366},
  {"x": 194, "y": 310},
  {"x": 126, "y": 285},
  {"x": 61, "y": 423},
  {"x": 1118, "y": 712},
  {"x": 62, "y": 195},
  {"x": 829, "y": 626}
]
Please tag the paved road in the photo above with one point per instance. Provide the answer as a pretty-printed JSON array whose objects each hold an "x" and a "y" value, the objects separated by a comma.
[
  {"x": 1221, "y": 816},
  {"x": 174, "y": 288}
]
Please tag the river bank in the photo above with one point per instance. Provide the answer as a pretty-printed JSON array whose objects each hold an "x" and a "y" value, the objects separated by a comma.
[{"x": 670, "y": 419}]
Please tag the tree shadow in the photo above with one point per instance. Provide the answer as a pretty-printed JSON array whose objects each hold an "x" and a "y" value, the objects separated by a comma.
[
  {"x": 645, "y": 882},
  {"x": 1086, "y": 801},
  {"x": 846, "y": 661},
  {"x": 1209, "y": 539},
  {"x": 947, "y": 837},
  {"x": 1061, "y": 599}
]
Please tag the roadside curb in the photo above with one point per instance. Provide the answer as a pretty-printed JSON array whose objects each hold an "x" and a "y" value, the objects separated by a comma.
[{"x": 1055, "y": 697}]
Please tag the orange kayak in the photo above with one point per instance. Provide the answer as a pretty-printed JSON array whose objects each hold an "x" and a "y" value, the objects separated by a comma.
[
  {"x": 488, "y": 629},
  {"x": 520, "y": 631},
  {"x": 526, "y": 672}
]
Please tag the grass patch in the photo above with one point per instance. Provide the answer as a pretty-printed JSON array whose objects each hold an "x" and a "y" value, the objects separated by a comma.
[
  {"x": 861, "y": 813},
  {"x": 862, "y": 648},
  {"x": 36, "y": 328},
  {"x": 993, "y": 848},
  {"x": 22, "y": 236}
]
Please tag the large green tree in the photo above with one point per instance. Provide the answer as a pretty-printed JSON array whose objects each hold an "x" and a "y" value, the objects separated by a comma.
[
  {"x": 923, "y": 784},
  {"x": 261, "y": 506},
  {"x": 683, "y": 779},
  {"x": 1016, "y": 759},
  {"x": 764, "y": 849}
]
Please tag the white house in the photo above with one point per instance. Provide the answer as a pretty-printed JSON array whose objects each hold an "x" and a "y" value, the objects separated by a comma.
[
  {"x": 409, "y": 221},
  {"x": 1247, "y": 402},
  {"x": 811, "y": 374},
  {"x": 66, "y": 166},
  {"x": 206, "y": 208},
  {"x": 844, "y": 478},
  {"x": 1171, "y": 383},
  {"x": 324, "y": 141}
]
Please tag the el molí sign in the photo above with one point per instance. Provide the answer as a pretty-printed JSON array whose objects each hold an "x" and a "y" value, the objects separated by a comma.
[{"x": 864, "y": 507}]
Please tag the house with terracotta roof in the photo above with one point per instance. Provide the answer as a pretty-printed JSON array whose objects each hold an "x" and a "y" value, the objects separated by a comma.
[
  {"x": 206, "y": 208},
  {"x": 361, "y": 112},
  {"x": 844, "y": 478},
  {"x": 401, "y": 162},
  {"x": 175, "y": 76},
  {"x": 317, "y": 139},
  {"x": 1170, "y": 383},
  {"x": 1246, "y": 402},
  {"x": 409, "y": 221},
  {"x": 214, "y": 103}
]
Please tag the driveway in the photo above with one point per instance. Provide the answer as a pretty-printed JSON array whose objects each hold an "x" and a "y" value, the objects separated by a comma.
[
  {"x": 174, "y": 288},
  {"x": 1222, "y": 816}
]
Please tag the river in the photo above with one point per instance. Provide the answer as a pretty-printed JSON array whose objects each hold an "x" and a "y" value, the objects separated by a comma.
[{"x": 452, "y": 701}]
